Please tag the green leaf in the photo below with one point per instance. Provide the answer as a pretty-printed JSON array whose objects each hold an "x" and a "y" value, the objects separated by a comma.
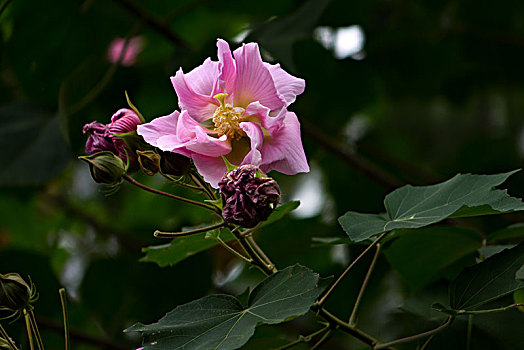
[
  {"x": 221, "y": 322},
  {"x": 421, "y": 256},
  {"x": 414, "y": 207},
  {"x": 280, "y": 212},
  {"x": 520, "y": 273},
  {"x": 132, "y": 106},
  {"x": 183, "y": 247},
  {"x": 487, "y": 281}
]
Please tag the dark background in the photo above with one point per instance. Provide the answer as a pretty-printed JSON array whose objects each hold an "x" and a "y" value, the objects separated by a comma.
[{"x": 437, "y": 88}]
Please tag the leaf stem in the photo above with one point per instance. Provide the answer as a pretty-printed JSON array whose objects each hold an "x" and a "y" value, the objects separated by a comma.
[
  {"x": 440, "y": 328},
  {"x": 7, "y": 338},
  {"x": 261, "y": 253},
  {"x": 233, "y": 251},
  {"x": 63, "y": 301},
  {"x": 470, "y": 330},
  {"x": 199, "y": 181},
  {"x": 169, "y": 195},
  {"x": 363, "y": 288},
  {"x": 334, "y": 284},
  {"x": 181, "y": 183},
  {"x": 302, "y": 339},
  {"x": 34, "y": 327},
  {"x": 322, "y": 340},
  {"x": 28, "y": 328},
  {"x": 160, "y": 234},
  {"x": 479, "y": 312}
]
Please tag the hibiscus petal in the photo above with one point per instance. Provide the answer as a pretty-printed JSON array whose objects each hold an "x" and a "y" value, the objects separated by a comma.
[
  {"x": 283, "y": 151},
  {"x": 254, "y": 82},
  {"x": 212, "y": 169},
  {"x": 255, "y": 108},
  {"x": 200, "y": 106},
  {"x": 256, "y": 136},
  {"x": 227, "y": 76},
  {"x": 163, "y": 128},
  {"x": 208, "y": 146},
  {"x": 204, "y": 78},
  {"x": 287, "y": 85}
]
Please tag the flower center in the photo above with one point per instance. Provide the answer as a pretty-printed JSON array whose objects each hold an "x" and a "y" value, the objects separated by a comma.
[{"x": 227, "y": 119}]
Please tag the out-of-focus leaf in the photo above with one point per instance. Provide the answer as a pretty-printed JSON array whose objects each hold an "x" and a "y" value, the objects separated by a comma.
[
  {"x": 487, "y": 281},
  {"x": 183, "y": 247},
  {"x": 414, "y": 207},
  {"x": 221, "y": 322},
  {"x": 32, "y": 147},
  {"x": 420, "y": 256},
  {"x": 513, "y": 233},
  {"x": 420, "y": 303}
]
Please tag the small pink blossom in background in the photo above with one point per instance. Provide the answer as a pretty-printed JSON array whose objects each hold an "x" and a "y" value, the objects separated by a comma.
[
  {"x": 236, "y": 108},
  {"x": 133, "y": 48}
]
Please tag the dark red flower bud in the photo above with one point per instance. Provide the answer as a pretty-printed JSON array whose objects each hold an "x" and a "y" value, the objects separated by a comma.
[
  {"x": 102, "y": 138},
  {"x": 247, "y": 198}
]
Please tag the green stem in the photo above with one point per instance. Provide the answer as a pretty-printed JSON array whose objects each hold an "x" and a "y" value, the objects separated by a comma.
[
  {"x": 233, "y": 251},
  {"x": 427, "y": 342},
  {"x": 261, "y": 253},
  {"x": 334, "y": 284},
  {"x": 63, "y": 301},
  {"x": 302, "y": 339},
  {"x": 322, "y": 340},
  {"x": 440, "y": 328},
  {"x": 160, "y": 234},
  {"x": 181, "y": 183},
  {"x": 199, "y": 181},
  {"x": 169, "y": 195},
  {"x": 363, "y": 288},
  {"x": 7, "y": 338},
  {"x": 34, "y": 327},
  {"x": 479, "y": 312},
  {"x": 28, "y": 328},
  {"x": 470, "y": 329}
]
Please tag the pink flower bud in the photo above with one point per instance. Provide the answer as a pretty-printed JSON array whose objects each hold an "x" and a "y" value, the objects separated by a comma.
[{"x": 101, "y": 136}]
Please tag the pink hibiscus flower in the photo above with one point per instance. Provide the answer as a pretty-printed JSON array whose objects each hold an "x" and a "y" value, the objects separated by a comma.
[{"x": 236, "y": 108}]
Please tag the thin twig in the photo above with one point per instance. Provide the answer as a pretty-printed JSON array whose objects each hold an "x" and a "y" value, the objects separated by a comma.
[
  {"x": 181, "y": 183},
  {"x": 169, "y": 195},
  {"x": 7, "y": 338},
  {"x": 4, "y": 6},
  {"x": 322, "y": 340},
  {"x": 334, "y": 284},
  {"x": 302, "y": 339},
  {"x": 153, "y": 22},
  {"x": 260, "y": 252},
  {"x": 199, "y": 181},
  {"x": 233, "y": 251},
  {"x": 28, "y": 328},
  {"x": 427, "y": 342},
  {"x": 479, "y": 312},
  {"x": 63, "y": 301},
  {"x": 364, "y": 285},
  {"x": 34, "y": 327},
  {"x": 160, "y": 234},
  {"x": 470, "y": 329},
  {"x": 440, "y": 328}
]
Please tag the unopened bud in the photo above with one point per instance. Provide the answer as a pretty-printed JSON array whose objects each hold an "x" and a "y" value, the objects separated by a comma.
[
  {"x": 149, "y": 162},
  {"x": 105, "y": 167},
  {"x": 174, "y": 164},
  {"x": 247, "y": 198},
  {"x": 102, "y": 136},
  {"x": 15, "y": 294}
]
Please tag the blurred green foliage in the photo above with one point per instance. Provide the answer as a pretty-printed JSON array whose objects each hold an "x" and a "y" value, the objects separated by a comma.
[{"x": 436, "y": 89}]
